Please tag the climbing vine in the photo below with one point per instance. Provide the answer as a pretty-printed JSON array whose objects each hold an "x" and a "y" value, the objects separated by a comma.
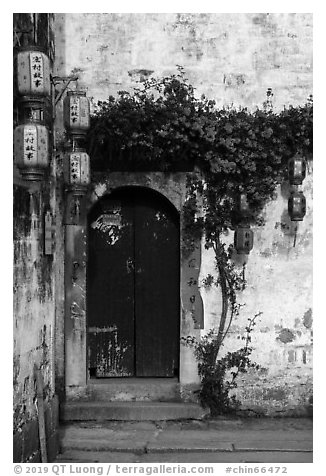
[
  {"x": 218, "y": 377},
  {"x": 164, "y": 126}
]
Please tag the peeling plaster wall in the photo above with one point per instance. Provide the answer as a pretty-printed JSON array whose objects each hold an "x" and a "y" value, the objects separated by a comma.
[
  {"x": 37, "y": 280},
  {"x": 232, "y": 58},
  {"x": 279, "y": 284},
  {"x": 37, "y": 307},
  {"x": 32, "y": 304},
  {"x": 34, "y": 320}
]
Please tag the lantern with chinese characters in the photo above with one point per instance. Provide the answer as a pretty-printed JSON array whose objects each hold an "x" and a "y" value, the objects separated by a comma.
[
  {"x": 77, "y": 171},
  {"x": 76, "y": 113},
  {"x": 243, "y": 239},
  {"x": 296, "y": 170},
  {"x": 32, "y": 73},
  {"x": 297, "y": 206},
  {"x": 31, "y": 150}
]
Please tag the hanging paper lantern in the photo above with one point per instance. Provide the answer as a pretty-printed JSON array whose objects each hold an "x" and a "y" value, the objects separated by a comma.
[
  {"x": 297, "y": 206},
  {"x": 243, "y": 239},
  {"x": 35, "y": 109},
  {"x": 242, "y": 204},
  {"x": 31, "y": 150},
  {"x": 296, "y": 170},
  {"x": 77, "y": 171},
  {"x": 76, "y": 112},
  {"x": 32, "y": 72}
]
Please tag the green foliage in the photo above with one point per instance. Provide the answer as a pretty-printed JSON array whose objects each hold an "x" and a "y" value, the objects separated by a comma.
[{"x": 218, "y": 377}]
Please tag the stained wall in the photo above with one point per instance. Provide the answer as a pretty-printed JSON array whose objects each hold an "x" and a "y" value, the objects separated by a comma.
[
  {"x": 34, "y": 323},
  {"x": 232, "y": 58},
  {"x": 36, "y": 281},
  {"x": 279, "y": 285}
]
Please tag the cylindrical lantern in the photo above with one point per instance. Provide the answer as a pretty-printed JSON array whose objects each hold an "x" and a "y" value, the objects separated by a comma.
[
  {"x": 296, "y": 170},
  {"x": 31, "y": 150},
  {"x": 243, "y": 239},
  {"x": 36, "y": 109},
  {"x": 242, "y": 204},
  {"x": 32, "y": 72},
  {"x": 297, "y": 206},
  {"x": 77, "y": 172},
  {"x": 76, "y": 111}
]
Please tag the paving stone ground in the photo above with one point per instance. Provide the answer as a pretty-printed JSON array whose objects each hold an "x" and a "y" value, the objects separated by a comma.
[{"x": 258, "y": 440}]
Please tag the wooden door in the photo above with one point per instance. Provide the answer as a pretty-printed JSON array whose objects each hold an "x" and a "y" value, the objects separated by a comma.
[{"x": 133, "y": 285}]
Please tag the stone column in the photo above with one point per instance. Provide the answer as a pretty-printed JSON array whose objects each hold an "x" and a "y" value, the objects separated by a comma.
[{"x": 75, "y": 295}]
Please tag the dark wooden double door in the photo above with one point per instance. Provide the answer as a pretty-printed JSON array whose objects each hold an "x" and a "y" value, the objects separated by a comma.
[{"x": 133, "y": 286}]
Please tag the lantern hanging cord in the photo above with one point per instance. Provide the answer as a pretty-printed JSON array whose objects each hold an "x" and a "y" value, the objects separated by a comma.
[
  {"x": 295, "y": 235},
  {"x": 244, "y": 274},
  {"x": 67, "y": 80},
  {"x": 21, "y": 34}
]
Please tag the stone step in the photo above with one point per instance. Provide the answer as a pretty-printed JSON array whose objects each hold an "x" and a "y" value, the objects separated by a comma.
[
  {"x": 234, "y": 457},
  {"x": 160, "y": 390},
  {"x": 159, "y": 438},
  {"x": 129, "y": 411}
]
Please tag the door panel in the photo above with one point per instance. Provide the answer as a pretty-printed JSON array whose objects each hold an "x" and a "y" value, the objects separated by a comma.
[
  {"x": 111, "y": 290},
  {"x": 133, "y": 286},
  {"x": 156, "y": 289}
]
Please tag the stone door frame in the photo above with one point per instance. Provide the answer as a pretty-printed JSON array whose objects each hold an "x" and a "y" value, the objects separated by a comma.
[{"x": 173, "y": 187}]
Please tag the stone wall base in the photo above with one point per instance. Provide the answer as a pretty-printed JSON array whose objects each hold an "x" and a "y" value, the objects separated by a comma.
[
  {"x": 279, "y": 398},
  {"x": 26, "y": 444}
]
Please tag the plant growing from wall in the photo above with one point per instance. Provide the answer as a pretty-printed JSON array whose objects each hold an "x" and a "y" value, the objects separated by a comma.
[
  {"x": 164, "y": 126},
  {"x": 218, "y": 377}
]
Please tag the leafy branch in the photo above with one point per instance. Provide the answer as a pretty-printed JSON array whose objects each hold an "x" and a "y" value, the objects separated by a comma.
[{"x": 218, "y": 377}]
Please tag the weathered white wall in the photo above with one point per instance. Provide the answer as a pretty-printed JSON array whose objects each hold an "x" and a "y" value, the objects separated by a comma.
[
  {"x": 34, "y": 322},
  {"x": 37, "y": 279},
  {"x": 33, "y": 310},
  {"x": 232, "y": 58},
  {"x": 279, "y": 284}
]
